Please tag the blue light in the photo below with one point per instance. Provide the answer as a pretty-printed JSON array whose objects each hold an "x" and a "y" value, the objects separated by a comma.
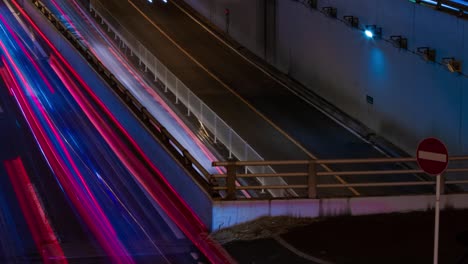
[{"x": 369, "y": 33}]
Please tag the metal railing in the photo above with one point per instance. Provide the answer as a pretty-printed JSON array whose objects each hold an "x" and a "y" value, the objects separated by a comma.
[
  {"x": 200, "y": 174},
  {"x": 311, "y": 175},
  {"x": 237, "y": 169},
  {"x": 220, "y": 130}
]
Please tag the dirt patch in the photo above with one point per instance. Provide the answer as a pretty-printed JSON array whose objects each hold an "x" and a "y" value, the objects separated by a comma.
[
  {"x": 391, "y": 238},
  {"x": 264, "y": 227}
]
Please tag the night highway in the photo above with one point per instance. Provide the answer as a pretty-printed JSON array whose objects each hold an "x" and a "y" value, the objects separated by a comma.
[
  {"x": 79, "y": 21},
  {"x": 131, "y": 130},
  {"x": 113, "y": 198},
  {"x": 19, "y": 149},
  {"x": 241, "y": 92}
]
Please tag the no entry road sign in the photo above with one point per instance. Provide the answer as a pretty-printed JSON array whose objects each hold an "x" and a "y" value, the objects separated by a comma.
[{"x": 432, "y": 156}]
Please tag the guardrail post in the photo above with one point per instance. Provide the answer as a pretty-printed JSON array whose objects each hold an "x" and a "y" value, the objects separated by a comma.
[
  {"x": 187, "y": 156},
  {"x": 231, "y": 180},
  {"x": 164, "y": 137},
  {"x": 144, "y": 114},
  {"x": 312, "y": 179}
]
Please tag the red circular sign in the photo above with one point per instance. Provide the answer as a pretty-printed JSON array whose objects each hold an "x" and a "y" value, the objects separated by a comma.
[{"x": 432, "y": 156}]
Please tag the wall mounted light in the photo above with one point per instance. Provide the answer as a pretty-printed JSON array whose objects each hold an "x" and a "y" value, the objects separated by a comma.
[
  {"x": 452, "y": 64},
  {"x": 372, "y": 31},
  {"x": 352, "y": 21},
  {"x": 427, "y": 53},
  {"x": 330, "y": 11},
  {"x": 400, "y": 42}
]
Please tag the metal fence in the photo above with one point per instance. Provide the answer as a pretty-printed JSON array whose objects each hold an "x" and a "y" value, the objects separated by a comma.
[
  {"x": 220, "y": 130},
  {"x": 454, "y": 175}
]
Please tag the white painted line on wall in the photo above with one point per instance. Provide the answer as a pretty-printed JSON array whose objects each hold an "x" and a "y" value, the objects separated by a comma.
[{"x": 432, "y": 156}]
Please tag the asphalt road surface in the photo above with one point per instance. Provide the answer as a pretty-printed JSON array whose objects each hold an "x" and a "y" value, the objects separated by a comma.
[{"x": 274, "y": 121}]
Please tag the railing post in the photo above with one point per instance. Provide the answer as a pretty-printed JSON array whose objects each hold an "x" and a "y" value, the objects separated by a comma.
[
  {"x": 213, "y": 183},
  {"x": 312, "y": 179},
  {"x": 231, "y": 180},
  {"x": 442, "y": 184}
]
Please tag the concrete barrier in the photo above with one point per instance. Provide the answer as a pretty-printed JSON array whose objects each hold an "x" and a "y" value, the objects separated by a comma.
[{"x": 229, "y": 213}]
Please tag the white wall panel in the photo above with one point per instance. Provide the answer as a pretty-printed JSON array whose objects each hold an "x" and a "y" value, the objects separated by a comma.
[
  {"x": 245, "y": 19},
  {"x": 412, "y": 98}
]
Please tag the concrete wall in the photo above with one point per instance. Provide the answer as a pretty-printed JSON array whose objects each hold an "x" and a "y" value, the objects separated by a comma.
[
  {"x": 246, "y": 20},
  {"x": 184, "y": 184},
  {"x": 412, "y": 98},
  {"x": 229, "y": 213}
]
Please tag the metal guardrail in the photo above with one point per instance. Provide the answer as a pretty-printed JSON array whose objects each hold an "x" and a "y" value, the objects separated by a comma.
[
  {"x": 220, "y": 130},
  {"x": 201, "y": 175},
  {"x": 311, "y": 175},
  {"x": 210, "y": 181}
]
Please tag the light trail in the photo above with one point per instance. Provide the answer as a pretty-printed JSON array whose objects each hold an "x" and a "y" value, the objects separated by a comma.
[
  {"x": 33, "y": 211},
  {"x": 100, "y": 54},
  {"x": 97, "y": 222},
  {"x": 161, "y": 191},
  {"x": 119, "y": 148}
]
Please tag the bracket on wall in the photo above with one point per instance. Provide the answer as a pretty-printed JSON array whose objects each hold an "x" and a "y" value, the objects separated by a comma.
[
  {"x": 427, "y": 53},
  {"x": 312, "y": 3},
  {"x": 352, "y": 21},
  {"x": 330, "y": 11},
  {"x": 400, "y": 42},
  {"x": 452, "y": 64}
]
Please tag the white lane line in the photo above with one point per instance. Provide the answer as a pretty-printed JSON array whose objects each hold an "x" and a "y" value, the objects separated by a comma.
[
  {"x": 269, "y": 121},
  {"x": 432, "y": 156},
  {"x": 301, "y": 254}
]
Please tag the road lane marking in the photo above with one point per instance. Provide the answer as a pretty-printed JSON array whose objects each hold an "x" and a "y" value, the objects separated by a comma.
[
  {"x": 276, "y": 79},
  {"x": 299, "y": 253},
  {"x": 432, "y": 156},
  {"x": 353, "y": 190}
]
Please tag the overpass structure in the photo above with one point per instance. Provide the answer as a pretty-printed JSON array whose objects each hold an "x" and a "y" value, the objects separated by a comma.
[
  {"x": 292, "y": 162},
  {"x": 251, "y": 184}
]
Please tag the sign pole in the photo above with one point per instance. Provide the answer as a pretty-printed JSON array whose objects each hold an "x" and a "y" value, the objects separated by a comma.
[
  {"x": 437, "y": 216},
  {"x": 432, "y": 157}
]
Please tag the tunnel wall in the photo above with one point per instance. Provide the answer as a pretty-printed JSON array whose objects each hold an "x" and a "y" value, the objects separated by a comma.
[
  {"x": 246, "y": 20},
  {"x": 411, "y": 98}
]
